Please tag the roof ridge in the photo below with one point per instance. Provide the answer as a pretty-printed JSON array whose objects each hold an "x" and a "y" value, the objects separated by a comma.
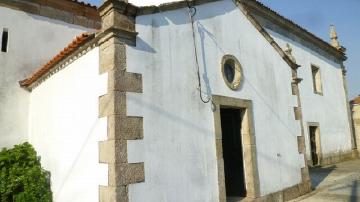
[
  {"x": 83, "y": 3},
  {"x": 356, "y": 100},
  {"x": 75, "y": 12}
]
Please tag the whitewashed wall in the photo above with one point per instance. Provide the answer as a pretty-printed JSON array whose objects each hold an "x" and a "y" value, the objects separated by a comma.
[
  {"x": 65, "y": 129},
  {"x": 33, "y": 40},
  {"x": 179, "y": 140},
  {"x": 329, "y": 109}
]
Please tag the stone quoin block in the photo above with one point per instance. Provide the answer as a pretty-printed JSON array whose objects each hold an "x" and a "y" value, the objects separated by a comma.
[
  {"x": 113, "y": 151},
  {"x": 125, "y": 128},
  {"x": 126, "y": 173},
  {"x": 112, "y": 56},
  {"x": 120, "y": 80},
  {"x": 111, "y": 194},
  {"x": 113, "y": 103}
]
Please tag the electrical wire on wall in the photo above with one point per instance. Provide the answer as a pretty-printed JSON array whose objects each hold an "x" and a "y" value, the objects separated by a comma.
[{"x": 192, "y": 13}]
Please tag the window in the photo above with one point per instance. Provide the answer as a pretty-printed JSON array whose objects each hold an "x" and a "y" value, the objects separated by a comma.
[
  {"x": 4, "y": 40},
  {"x": 316, "y": 80},
  {"x": 231, "y": 70}
]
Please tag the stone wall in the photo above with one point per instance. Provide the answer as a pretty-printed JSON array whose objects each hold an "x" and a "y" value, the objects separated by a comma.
[{"x": 116, "y": 35}]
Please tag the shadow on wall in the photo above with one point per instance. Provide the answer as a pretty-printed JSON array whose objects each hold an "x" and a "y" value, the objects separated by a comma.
[
  {"x": 202, "y": 32},
  {"x": 318, "y": 175},
  {"x": 142, "y": 45}
]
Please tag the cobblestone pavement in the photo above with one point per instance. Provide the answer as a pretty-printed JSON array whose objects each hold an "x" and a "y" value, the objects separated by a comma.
[{"x": 339, "y": 182}]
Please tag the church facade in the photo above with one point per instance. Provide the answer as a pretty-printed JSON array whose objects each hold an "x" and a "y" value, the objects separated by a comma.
[{"x": 214, "y": 100}]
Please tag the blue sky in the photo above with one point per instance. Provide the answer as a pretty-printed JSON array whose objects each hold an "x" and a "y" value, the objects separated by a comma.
[{"x": 316, "y": 16}]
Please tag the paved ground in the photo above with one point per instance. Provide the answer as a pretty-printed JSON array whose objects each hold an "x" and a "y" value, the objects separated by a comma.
[{"x": 340, "y": 182}]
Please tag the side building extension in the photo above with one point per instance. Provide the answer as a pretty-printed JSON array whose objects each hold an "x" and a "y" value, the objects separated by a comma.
[
  {"x": 63, "y": 120},
  {"x": 31, "y": 32}
]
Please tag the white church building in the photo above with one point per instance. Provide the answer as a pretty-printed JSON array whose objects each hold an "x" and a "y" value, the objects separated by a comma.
[{"x": 201, "y": 100}]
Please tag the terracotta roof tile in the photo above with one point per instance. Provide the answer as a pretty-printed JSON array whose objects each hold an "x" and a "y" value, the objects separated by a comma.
[
  {"x": 77, "y": 42},
  {"x": 356, "y": 100},
  {"x": 83, "y": 3}
]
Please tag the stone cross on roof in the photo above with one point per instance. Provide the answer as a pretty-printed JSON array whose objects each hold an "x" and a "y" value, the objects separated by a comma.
[
  {"x": 288, "y": 51},
  {"x": 334, "y": 37}
]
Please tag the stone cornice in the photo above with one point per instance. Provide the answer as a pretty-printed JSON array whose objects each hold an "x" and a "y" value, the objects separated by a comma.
[
  {"x": 127, "y": 37},
  {"x": 72, "y": 12},
  {"x": 122, "y": 7}
]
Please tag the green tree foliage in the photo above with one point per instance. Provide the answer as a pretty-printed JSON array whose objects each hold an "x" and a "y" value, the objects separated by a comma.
[{"x": 21, "y": 177}]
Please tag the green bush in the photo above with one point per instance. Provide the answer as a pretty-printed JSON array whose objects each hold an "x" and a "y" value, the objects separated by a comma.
[{"x": 21, "y": 177}]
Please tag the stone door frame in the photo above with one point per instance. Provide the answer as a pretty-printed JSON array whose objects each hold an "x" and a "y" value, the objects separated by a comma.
[
  {"x": 248, "y": 145},
  {"x": 317, "y": 142}
]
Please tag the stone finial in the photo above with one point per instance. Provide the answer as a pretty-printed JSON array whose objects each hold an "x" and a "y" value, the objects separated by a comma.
[
  {"x": 288, "y": 51},
  {"x": 334, "y": 38}
]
